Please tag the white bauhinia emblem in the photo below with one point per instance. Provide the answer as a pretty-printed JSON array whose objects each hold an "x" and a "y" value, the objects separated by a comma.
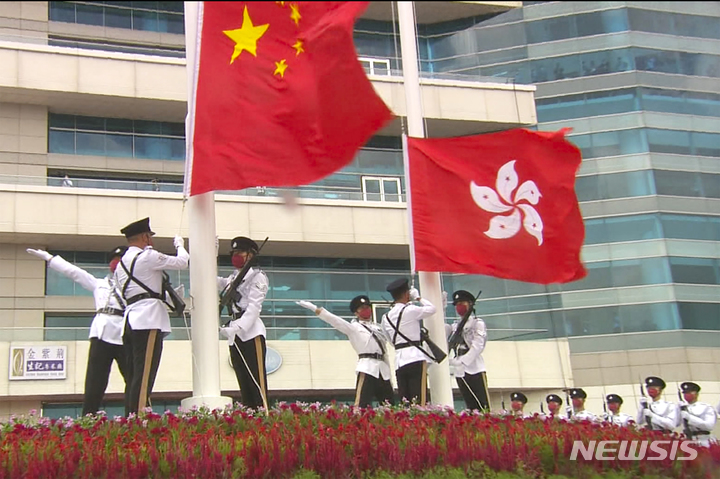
[{"x": 508, "y": 225}]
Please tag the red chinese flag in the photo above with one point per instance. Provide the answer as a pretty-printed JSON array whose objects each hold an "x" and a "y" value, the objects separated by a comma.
[
  {"x": 500, "y": 204},
  {"x": 281, "y": 99}
]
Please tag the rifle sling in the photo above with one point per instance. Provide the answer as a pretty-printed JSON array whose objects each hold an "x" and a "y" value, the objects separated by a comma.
[{"x": 396, "y": 327}]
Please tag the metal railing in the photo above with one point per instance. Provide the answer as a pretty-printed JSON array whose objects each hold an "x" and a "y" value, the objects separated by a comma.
[
  {"x": 309, "y": 191},
  {"x": 41, "y": 334}
]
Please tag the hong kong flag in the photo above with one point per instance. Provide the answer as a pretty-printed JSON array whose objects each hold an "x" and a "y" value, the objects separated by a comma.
[{"x": 500, "y": 204}]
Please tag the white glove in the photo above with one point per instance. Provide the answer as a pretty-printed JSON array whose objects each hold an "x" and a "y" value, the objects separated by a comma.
[
  {"x": 217, "y": 246},
  {"x": 307, "y": 305},
  {"x": 643, "y": 403},
  {"x": 568, "y": 410},
  {"x": 42, "y": 254},
  {"x": 685, "y": 414},
  {"x": 179, "y": 242},
  {"x": 180, "y": 290},
  {"x": 414, "y": 294},
  {"x": 229, "y": 333},
  {"x": 457, "y": 368},
  {"x": 445, "y": 295}
]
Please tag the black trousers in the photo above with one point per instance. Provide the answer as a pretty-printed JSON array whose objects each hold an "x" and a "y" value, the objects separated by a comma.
[
  {"x": 473, "y": 388},
  {"x": 100, "y": 359},
  {"x": 369, "y": 388},
  {"x": 412, "y": 382},
  {"x": 143, "y": 348},
  {"x": 250, "y": 370}
]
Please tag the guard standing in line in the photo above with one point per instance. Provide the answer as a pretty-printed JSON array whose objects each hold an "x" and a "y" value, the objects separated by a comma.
[
  {"x": 468, "y": 366},
  {"x": 517, "y": 405},
  {"x": 658, "y": 415},
  {"x": 700, "y": 416},
  {"x": 140, "y": 280},
  {"x": 614, "y": 416},
  {"x": 403, "y": 325},
  {"x": 554, "y": 403},
  {"x": 578, "y": 397},
  {"x": 106, "y": 329},
  {"x": 370, "y": 342},
  {"x": 246, "y": 330}
]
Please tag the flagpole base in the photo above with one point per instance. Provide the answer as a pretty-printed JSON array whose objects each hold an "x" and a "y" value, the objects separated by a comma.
[{"x": 210, "y": 402}]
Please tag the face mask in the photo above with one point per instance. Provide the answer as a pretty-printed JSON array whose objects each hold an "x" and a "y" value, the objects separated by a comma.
[
  {"x": 113, "y": 264},
  {"x": 461, "y": 309},
  {"x": 365, "y": 313},
  {"x": 238, "y": 261}
]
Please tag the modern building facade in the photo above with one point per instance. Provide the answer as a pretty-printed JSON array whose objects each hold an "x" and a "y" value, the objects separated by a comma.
[
  {"x": 638, "y": 84},
  {"x": 95, "y": 91}
]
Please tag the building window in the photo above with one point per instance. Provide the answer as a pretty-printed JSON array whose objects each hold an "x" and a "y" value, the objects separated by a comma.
[
  {"x": 376, "y": 66},
  {"x": 164, "y": 17},
  {"x": 83, "y": 135},
  {"x": 381, "y": 189}
]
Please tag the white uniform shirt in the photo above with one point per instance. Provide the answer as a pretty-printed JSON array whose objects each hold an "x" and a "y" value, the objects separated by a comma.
[
  {"x": 701, "y": 417},
  {"x": 584, "y": 415},
  {"x": 363, "y": 342},
  {"x": 620, "y": 419},
  {"x": 148, "y": 313},
  {"x": 107, "y": 327},
  {"x": 410, "y": 324},
  {"x": 665, "y": 415},
  {"x": 475, "y": 336},
  {"x": 252, "y": 289}
]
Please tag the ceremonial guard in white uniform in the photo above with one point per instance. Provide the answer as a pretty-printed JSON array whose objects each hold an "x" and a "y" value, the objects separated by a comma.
[
  {"x": 614, "y": 416},
  {"x": 658, "y": 415},
  {"x": 517, "y": 405},
  {"x": 578, "y": 397},
  {"x": 140, "y": 280},
  {"x": 106, "y": 328},
  {"x": 370, "y": 342},
  {"x": 403, "y": 325},
  {"x": 554, "y": 405},
  {"x": 697, "y": 418},
  {"x": 468, "y": 365},
  {"x": 246, "y": 330}
]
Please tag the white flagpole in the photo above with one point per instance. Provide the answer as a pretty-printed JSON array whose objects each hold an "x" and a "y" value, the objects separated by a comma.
[
  {"x": 203, "y": 262},
  {"x": 439, "y": 374}
]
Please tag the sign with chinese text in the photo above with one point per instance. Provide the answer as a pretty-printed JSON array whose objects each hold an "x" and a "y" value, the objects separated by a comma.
[{"x": 38, "y": 362}]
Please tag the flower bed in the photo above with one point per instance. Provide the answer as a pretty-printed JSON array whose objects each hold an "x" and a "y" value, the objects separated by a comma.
[{"x": 296, "y": 440}]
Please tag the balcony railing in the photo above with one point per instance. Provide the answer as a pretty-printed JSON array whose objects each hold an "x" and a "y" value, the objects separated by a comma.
[
  {"x": 153, "y": 186},
  {"x": 40, "y": 334}
]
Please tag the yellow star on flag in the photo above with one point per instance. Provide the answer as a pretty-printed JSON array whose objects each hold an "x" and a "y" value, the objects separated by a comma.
[
  {"x": 298, "y": 47},
  {"x": 295, "y": 15},
  {"x": 246, "y": 37},
  {"x": 280, "y": 68}
]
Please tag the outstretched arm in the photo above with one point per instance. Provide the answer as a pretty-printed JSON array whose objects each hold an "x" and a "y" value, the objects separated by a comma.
[{"x": 58, "y": 263}]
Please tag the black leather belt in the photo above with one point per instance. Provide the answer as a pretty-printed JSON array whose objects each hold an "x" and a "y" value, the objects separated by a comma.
[
  {"x": 700, "y": 433},
  {"x": 371, "y": 356},
  {"x": 142, "y": 296},
  {"x": 110, "y": 311},
  {"x": 407, "y": 345}
]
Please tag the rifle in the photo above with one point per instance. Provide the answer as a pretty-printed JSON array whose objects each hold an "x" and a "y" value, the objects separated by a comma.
[
  {"x": 683, "y": 407},
  {"x": 502, "y": 402},
  {"x": 571, "y": 408},
  {"x": 177, "y": 304},
  {"x": 230, "y": 294},
  {"x": 542, "y": 411},
  {"x": 648, "y": 423},
  {"x": 438, "y": 354},
  {"x": 456, "y": 339},
  {"x": 605, "y": 408}
]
